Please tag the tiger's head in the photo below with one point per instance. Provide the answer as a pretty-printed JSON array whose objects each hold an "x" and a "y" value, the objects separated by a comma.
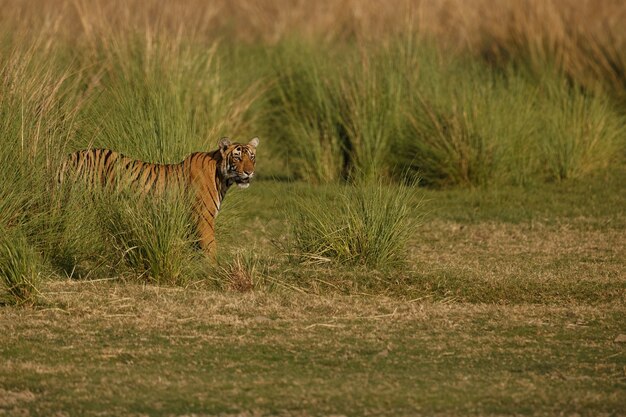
[{"x": 238, "y": 161}]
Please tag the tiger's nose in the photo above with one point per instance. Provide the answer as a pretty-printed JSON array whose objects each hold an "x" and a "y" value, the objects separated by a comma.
[{"x": 249, "y": 174}]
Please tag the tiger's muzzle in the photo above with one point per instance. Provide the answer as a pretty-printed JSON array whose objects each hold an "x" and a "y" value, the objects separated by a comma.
[{"x": 243, "y": 179}]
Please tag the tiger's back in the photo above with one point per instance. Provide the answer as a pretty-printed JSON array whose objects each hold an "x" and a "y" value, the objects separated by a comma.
[{"x": 107, "y": 168}]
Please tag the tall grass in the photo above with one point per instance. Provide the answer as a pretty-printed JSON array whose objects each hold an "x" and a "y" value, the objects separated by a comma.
[
  {"x": 162, "y": 99},
  {"x": 454, "y": 120},
  {"x": 336, "y": 114},
  {"x": 305, "y": 113},
  {"x": 582, "y": 133},
  {"x": 364, "y": 224},
  {"x": 20, "y": 269},
  {"x": 484, "y": 128},
  {"x": 72, "y": 232},
  {"x": 467, "y": 126},
  {"x": 37, "y": 116},
  {"x": 372, "y": 92},
  {"x": 153, "y": 237},
  {"x": 39, "y": 102},
  {"x": 584, "y": 41}
]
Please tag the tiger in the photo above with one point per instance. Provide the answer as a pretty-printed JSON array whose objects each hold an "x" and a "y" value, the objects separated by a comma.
[{"x": 208, "y": 175}]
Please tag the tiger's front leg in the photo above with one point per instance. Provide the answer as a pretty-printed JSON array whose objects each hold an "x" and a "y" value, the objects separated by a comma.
[{"x": 206, "y": 234}]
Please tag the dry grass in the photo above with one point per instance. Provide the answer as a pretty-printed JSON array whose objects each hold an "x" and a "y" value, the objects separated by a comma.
[
  {"x": 241, "y": 273},
  {"x": 560, "y": 29},
  {"x": 496, "y": 251},
  {"x": 112, "y": 303},
  {"x": 104, "y": 348},
  {"x": 585, "y": 39}
]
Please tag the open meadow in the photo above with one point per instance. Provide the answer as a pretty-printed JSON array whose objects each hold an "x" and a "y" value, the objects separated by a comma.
[{"x": 437, "y": 224}]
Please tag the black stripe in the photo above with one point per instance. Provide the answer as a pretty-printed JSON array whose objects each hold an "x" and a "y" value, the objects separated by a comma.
[
  {"x": 135, "y": 171},
  {"x": 148, "y": 181},
  {"x": 208, "y": 220},
  {"x": 207, "y": 206},
  {"x": 106, "y": 158}
]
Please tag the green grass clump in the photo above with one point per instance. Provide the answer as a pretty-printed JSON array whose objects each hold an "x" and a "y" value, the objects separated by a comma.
[
  {"x": 19, "y": 269},
  {"x": 367, "y": 223},
  {"x": 336, "y": 115},
  {"x": 153, "y": 236},
  {"x": 582, "y": 134},
  {"x": 469, "y": 128},
  {"x": 71, "y": 232},
  {"x": 305, "y": 113}
]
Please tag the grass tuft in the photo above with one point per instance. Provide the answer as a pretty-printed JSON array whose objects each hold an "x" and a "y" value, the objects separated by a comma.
[
  {"x": 305, "y": 113},
  {"x": 19, "y": 270},
  {"x": 154, "y": 237},
  {"x": 366, "y": 223},
  {"x": 582, "y": 135},
  {"x": 241, "y": 272}
]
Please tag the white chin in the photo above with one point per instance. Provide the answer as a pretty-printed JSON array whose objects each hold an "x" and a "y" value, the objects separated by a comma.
[{"x": 243, "y": 184}]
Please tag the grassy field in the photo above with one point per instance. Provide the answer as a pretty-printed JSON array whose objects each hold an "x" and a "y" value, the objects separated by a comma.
[
  {"x": 111, "y": 349},
  {"x": 510, "y": 304},
  {"x": 437, "y": 227}
]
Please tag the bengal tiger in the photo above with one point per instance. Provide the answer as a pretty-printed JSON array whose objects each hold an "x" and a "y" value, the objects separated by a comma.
[{"x": 208, "y": 175}]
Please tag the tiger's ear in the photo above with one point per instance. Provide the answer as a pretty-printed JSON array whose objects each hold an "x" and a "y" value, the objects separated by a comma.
[
  {"x": 254, "y": 142},
  {"x": 224, "y": 144}
]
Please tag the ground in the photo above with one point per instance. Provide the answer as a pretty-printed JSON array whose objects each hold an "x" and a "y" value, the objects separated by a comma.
[
  {"x": 511, "y": 303},
  {"x": 115, "y": 349}
]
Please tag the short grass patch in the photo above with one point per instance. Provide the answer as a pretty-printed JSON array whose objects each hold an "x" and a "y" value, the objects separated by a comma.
[
  {"x": 110, "y": 349},
  {"x": 546, "y": 244}
]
